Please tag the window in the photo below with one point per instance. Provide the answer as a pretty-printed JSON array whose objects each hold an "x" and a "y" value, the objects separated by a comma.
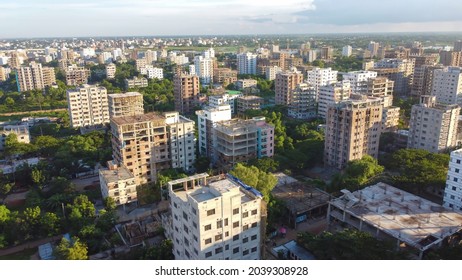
[
  {"x": 254, "y": 225},
  {"x": 194, "y": 211},
  {"x": 185, "y": 216},
  {"x": 235, "y": 224},
  {"x": 236, "y": 250},
  {"x": 236, "y": 237},
  {"x": 185, "y": 228},
  {"x": 226, "y": 247},
  {"x": 245, "y": 214},
  {"x": 208, "y": 240},
  {"x": 254, "y": 237},
  {"x": 210, "y": 212},
  {"x": 186, "y": 241},
  {"x": 254, "y": 212},
  {"x": 457, "y": 170},
  {"x": 207, "y": 227},
  {"x": 246, "y": 227},
  {"x": 455, "y": 179},
  {"x": 218, "y": 250},
  {"x": 218, "y": 237},
  {"x": 219, "y": 224},
  {"x": 208, "y": 254},
  {"x": 245, "y": 252},
  {"x": 454, "y": 188},
  {"x": 175, "y": 205},
  {"x": 194, "y": 225},
  {"x": 227, "y": 234},
  {"x": 253, "y": 250},
  {"x": 458, "y": 161},
  {"x": 245, "y": 240},
  {"x": 236, "y": 211},
  {"x": 195, "y": 238},
  {"x": 226, "y": 222}
]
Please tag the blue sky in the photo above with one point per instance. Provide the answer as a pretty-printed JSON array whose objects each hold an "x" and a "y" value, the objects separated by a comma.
[{"x": 71, "y": 18}]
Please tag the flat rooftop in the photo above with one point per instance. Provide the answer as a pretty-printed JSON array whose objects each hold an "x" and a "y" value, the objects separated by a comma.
[
  {"x": 127, "y": 94},
  {"x": 121, "y": 173},
  {"x": 138, "y": 118},
  {"x": 457, "y": 152},
  {"x": 405, "y": 216}
]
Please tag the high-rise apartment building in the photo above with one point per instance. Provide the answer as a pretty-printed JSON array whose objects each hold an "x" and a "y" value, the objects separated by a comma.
[
  {"x": 303, "y": 102},
  {"x": 327, "y": 52},
  {"x": 284, "y": 84},
  {"x": 150, "y": 56},
  {"x": 76, "y": 76},
  {"x": 224, "y": 76},
  {"x": 88, "y": 106},
  {"x": 3, "y": 74},
  {"x": 207, "y": 120},
  {"x": 447, "y": 85},
  {"x": 239, "y": 140},
  {"x": 457, "y": 46},
  {"x": 217, "y": 220},
  {"x": 14, "y": 62},
  {"x": 247, "y": 63},
  {"x": 35, "y": 77},
  {"x": 332, "y": 94},
  {"x": 358, "y": 80},
  {"x": 204, "y": 69},
  {"x": 402, "y": 76},
  {"x": 422, "y": 82},
  {"x": 110, "y": 70},
  {"x": 248, "y": 102},
  {"x": 125, "y": 104},
  {"x": 118, "y": 183},
  {"x": 182, "y": 145},
  {"x": 433, "y": 126},
  {"x": 271, "y": 72},
  {"x": 347, "y": 51},
  {"x": 140, "y": 142},
  {"x": 453, "y": 192},
  {"x": 451, "y": 58},
  {"x": 228, "y": 98},
  {"x": 140, "y": 63},
  {"x": 319, "y": 77},
  {"x": 186, "y": 91},
  {"x": 353, "y": 129},
  {"x": 373, "y": 47}
]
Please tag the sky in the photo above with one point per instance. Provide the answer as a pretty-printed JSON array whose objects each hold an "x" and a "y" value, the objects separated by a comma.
[{"x": 77, "y": 18}]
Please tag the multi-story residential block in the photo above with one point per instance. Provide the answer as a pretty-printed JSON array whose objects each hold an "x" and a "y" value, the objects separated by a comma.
[
  {"x": 433, "y": 126},
  {"x": 224, "y": 76},
  {"x": 140, "y": 142},
  {"x": 136, "y": 82},
  {"x": 247, "y": 63},
  {"x": 347, "y": 51},
  {"x": 203, "y": 68},
  {"x": 332, "y": 94},
  {"x": 457, "y": 46},
  {"x": 218, "y": 220},
  {"x": 447, "y": 85},
  {"x": 451, "y": 58},
  {"x": 14, "y": 61},
  {"x": 182, "y": 145},
  {"x": 284, "y": 84},
  {"x": 3, "y": 75},
  {"x": 118, "y": 183},
  {"x": 248, "y": 102},
  {"x": 453, "y": 192},
  {"x": 373, "y": 47},
  {"x": 110, "y": 70},
  {"x": 319, "y": 77},
  {"x": 353, "y": 129},
  {"x": 243, "y": 84},
  {"x": 229, "y": 98},
  {"x": 21, "y": 131},
  {"x": 155, "y": 73},
  {"x": 125, "y": 104},
  {"x": 327, "y": 52},
  {"x": 271, "y": 72},
  {"x": 35, "y": 77},
  {"x": 186, "y": 90},
  {"x": 207, "y": 120},
  {"x": 390, "y": 119},
  {"x": 88, "y": 106},
  {"x": 303, "y": 102},
  {"x": 150, "y": 56},
  {"x": 402, "y": 76},
  {"x": 178, "y": 59},
  {"x": 358, "y": 80},
  {"x": 76, "y": 76},
  {"x": 140, "y": 63}
]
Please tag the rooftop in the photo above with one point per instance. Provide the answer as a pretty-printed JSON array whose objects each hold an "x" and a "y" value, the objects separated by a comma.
[
  {"x": 412, "y": 219},
  {"x": 121, "y": 173},
  {"x": 138, "y": 118},
  {"x": 127, "y": 94}
]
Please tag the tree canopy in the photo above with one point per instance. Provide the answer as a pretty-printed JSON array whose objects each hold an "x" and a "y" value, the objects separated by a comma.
[
  {"x": 71, "y": 250},
  {"x": 254, "y": 177}
]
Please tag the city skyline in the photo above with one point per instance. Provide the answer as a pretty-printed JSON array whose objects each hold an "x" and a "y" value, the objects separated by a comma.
[{"x": 225, "y": 17}]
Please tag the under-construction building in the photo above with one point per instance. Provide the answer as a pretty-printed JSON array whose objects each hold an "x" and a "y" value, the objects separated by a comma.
[{"x": 125, "y": 104}]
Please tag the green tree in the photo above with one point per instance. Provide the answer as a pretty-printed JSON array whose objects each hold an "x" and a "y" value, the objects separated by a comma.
[
  {"x": 37, "y": 177},
  {"x": 109, "y": 204},
  {"x": 50, "y": 224},
  {"x": 254, "y": 177},
  {"x": 4, "y": 214},
  {"x": 67, "y": 250},
  {"x": 5, "y": 188}
]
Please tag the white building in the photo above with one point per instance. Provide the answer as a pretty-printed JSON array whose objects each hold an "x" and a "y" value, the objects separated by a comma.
[
  {"x": 453, "y": 192},
  {"x": 87, "y": 52},
  {"x": 182, "y": 143},
  {"x": 303, "y": 103},
  {"x": 21, "y": 131},
  {"x": 178, "y": 59},
  {"x": 247, "y": 63},
  {"x": 358, "y": 80},
  {"x": 155, "y": 73},
  {"x": 203, "y": 68},
  {"x": 447, "y": 85},
  {"x": 319, "y": 77},
  {"x": 332, "y": 94},
  {"x": 347, "y": 51},
  {"x": 88, "y": 106},
  {"x": 220, "y": 220},
  {"x": 224, "y": 99},
  {"x": 207, "y": 120}
]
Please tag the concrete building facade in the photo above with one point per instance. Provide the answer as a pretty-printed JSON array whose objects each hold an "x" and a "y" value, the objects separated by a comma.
[
  {"x": 186, "y": 90},
  {"x": 88, "y": 106},
  {"x": 182, "y": 143},
  {"x": 247, "y": 63},
  {"x": 118, "y": 183},
  {"x": 284, "y": 85},
  {"x": 125, "y": 104},
  {"x": 332, "y": 94},
  {"x": 447, "y": 85},
  {"x": 207, "y": 120},
  {"x": 303, "y": 103},
  {"x": 453, "y": 192}
]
